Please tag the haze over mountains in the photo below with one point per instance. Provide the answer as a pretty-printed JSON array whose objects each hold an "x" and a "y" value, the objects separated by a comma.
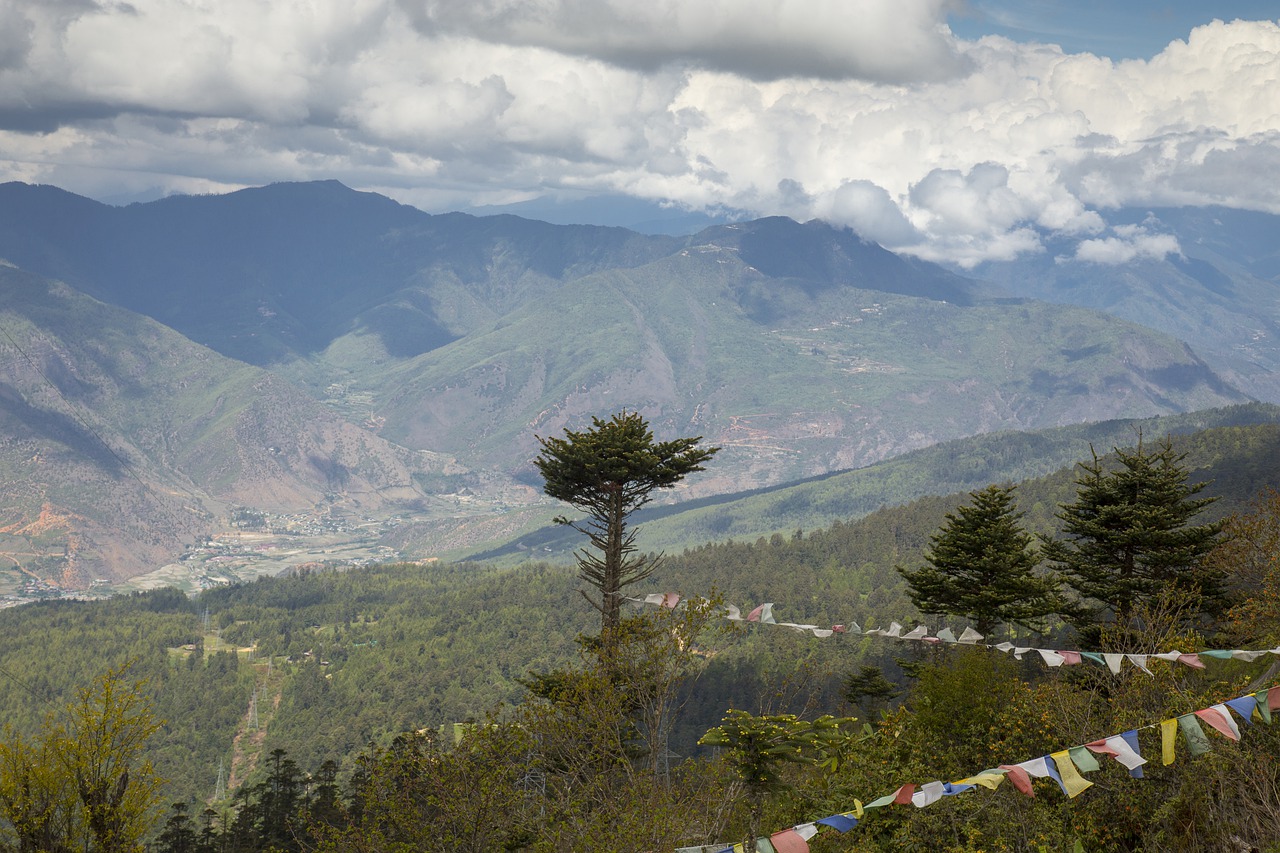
[{"x": 304, "y": 345}]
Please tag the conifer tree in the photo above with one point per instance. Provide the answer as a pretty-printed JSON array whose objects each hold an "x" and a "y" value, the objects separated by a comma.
[
  {"x": 1129, "y": 533},
  {"x": 981, "y": 565},
  {"x": 609, "y": 472}
]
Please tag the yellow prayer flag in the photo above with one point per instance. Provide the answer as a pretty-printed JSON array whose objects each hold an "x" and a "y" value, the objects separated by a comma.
[
  {"x": 990, "y": 781},
  {"x": 1072, "y": 781},
  {"x": 1168, "y": 740}
]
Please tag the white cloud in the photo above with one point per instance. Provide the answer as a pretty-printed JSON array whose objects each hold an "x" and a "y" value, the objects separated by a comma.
[
  {"x": 1132, "y": 242},
  {"x": 953, "y": 150}
]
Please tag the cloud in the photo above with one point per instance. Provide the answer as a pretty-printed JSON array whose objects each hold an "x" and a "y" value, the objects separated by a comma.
[
  {"x": 1132, "y": 242},
  {"x": 868, "y": 210},
  {"x": 953, "y": 150},
  {"x": 894, "y": 41}
]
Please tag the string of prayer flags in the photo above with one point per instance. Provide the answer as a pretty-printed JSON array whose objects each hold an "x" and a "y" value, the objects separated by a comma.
[
  {"x": 1114, "y": 661},
  {"x": 1066, "y": 767}
]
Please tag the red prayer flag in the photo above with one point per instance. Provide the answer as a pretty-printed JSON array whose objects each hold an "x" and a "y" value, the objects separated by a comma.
[
  {"x": 789, "y": 841},
  {"x": 1020, "y": 778},
  {"x": 1213, "y": 718}
]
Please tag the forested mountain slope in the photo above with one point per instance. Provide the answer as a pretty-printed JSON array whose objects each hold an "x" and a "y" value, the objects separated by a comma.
[{"x": 340, "y": 658}]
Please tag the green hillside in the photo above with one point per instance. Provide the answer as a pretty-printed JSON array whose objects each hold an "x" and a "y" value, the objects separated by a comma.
[
  {"x": 836, "y": 377},
  {"x": 960, "y": 465}
]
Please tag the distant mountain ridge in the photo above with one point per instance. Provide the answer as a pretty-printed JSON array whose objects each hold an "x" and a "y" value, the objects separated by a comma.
[
  {"x": 1220, "y": 292},
  {"x": 798, "y": 348},
  {"x": 121, "y": 441}
]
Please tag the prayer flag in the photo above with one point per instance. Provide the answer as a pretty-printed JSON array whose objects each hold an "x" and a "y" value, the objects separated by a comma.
[
  {"x": 839, "y": 822},
  {"x": 762, "y": 614},
  {"x": 1197, "y": 743},
  {"x": 969, "y": 636},
  {"x": 900, "y": 797},
  {"x": 1113, "y": 662},
  {"x": 1168, "y": 740},
  {"x": 1082, "y": 759},
  {"x": 1192, "y": 661},
  {"x": 1134, "y": 762},
  {"x": 1244, "y": 706},
  {"x": 789, "y": 841},
  {"x": 989, "y": 779},
  {"x": 1051, "y": 658},
  {"x": 917, "y": 633},
  {"x": 1070, "y": 658},
  {"x": 1042, "y": 767},
  {"x": 929, "y": 793},
  {"x": 1073, "y": 784},
  {"x": 1019, "y": 778},
  {"x": 1220, "y": 719},
  {"x": 946, "y": 636},
  {"x": 1248, "y": 657},
  {"x": 1140, "y": 661},
  {"x": 1262, "y": 708}
]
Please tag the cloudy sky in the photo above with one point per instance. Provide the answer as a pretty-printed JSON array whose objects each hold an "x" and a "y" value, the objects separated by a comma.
[{"x": 958, "y": 131}]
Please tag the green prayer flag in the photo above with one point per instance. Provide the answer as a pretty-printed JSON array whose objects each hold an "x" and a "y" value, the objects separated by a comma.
[
  {"x": 1262, "y": 709},
  {"x": 1197, "y": 743},
  {"x": 1083, "y": 759}
]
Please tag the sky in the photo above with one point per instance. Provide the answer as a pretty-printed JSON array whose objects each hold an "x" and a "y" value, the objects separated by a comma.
[{"x": 956, "y": 131}]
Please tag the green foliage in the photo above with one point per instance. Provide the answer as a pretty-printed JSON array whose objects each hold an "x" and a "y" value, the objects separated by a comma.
[
  {"x": 84, "y": 784},
  {"x": 609, "y": 472},
  {"x": 981, "y": 566},
  {"x": 758, "y": 747},
  {"x": 1128, "y": 534}
]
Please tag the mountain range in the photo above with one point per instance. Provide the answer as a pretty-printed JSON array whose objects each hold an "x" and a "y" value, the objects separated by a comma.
[{"x": 306, "y": 347}]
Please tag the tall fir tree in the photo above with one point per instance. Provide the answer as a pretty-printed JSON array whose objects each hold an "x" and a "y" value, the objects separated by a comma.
[
  {"x": 1129, "y": 534},
  {"x": 981, "y": 565},
  {"x": 609, "y": 472}
]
